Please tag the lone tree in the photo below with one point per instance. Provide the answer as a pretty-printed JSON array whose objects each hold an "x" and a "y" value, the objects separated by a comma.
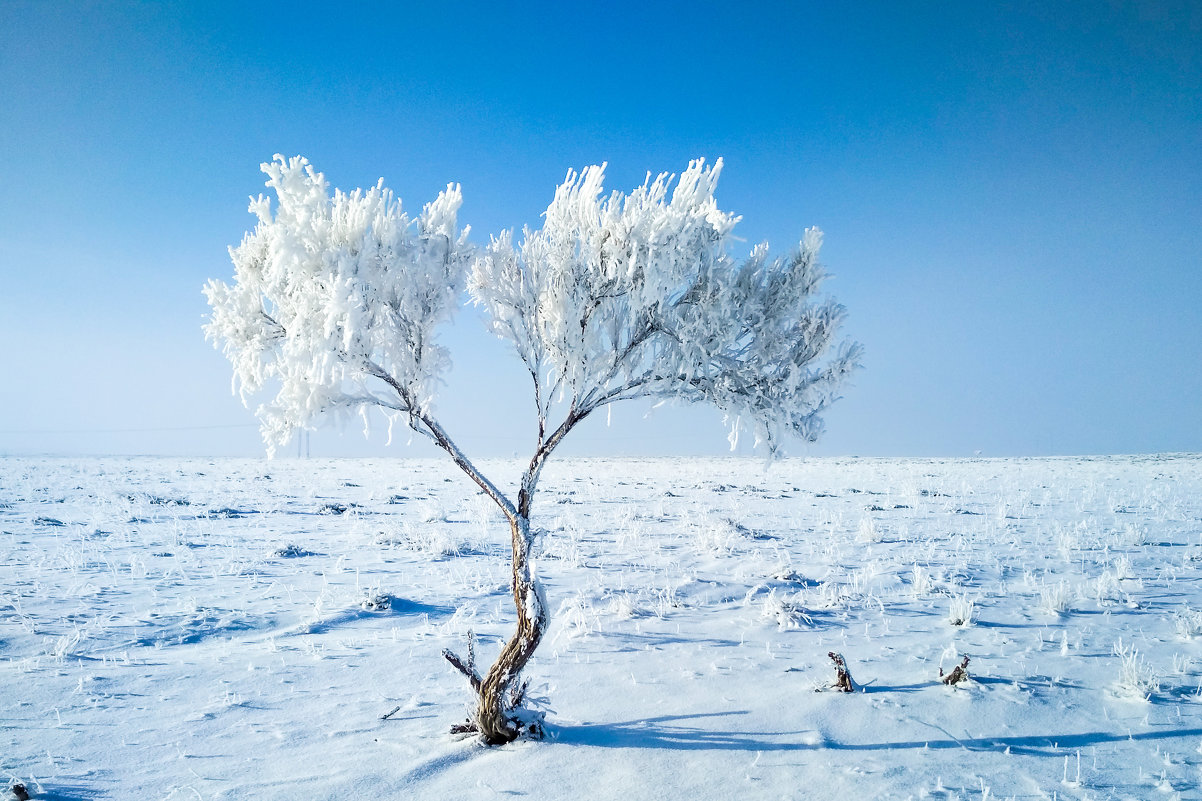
[{"x": 337, "y": 300}]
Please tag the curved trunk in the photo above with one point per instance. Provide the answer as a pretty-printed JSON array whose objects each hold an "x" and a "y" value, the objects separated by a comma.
[{"x": 493, "y": 716}]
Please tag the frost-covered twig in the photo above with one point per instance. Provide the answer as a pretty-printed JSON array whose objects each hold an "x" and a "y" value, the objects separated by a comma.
[{"x": 468, "y": 667}]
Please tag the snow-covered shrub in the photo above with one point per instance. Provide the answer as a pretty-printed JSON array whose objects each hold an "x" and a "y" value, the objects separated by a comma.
[{"x": 375, "y": 601}]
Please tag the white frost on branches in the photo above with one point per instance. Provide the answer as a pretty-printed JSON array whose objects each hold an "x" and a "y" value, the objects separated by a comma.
[
  {"x": 623, "y": 296},
  {"x": 337, "y": 298}
]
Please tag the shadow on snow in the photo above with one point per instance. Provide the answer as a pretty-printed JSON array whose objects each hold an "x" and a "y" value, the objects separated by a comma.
[{"x": 668, "y": 732}]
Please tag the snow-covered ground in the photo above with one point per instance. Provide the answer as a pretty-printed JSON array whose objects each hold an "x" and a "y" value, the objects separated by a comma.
[{"x": 240, "y": 629}]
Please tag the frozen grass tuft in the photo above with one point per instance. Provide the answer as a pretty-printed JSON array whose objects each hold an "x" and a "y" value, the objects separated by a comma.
[
  {"x": 431, "y": 512},
  {"x": 1058, "y": 599},
  {"x": 718, "y": 537},
  {"x": 789, "y": 613},
  {"x": 1135, "y": 535},
  {"x": 1136, "y": 678},
  {"x": 962, "y": 611},
  {"x": 920, "y": 581},
  {"x": 427, "y": 539},
  {"x": 577, "y": 618},
  {"x": 1188, "y": 623},
  {"x": 1108, "y": 588},
  {"x": 869, "y": 531}
]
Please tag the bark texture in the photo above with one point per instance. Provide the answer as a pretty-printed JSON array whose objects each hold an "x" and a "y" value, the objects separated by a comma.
[
  {"x": 499, "y": 694},
  {"x": 495, "y": 716}
]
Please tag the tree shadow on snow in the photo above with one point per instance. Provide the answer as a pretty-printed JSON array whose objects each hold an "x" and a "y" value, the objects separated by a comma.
[{"x": 668, "y": 732}]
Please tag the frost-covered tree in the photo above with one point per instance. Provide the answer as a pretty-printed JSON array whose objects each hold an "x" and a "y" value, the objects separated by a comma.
[{"x": 337, "y": 299}]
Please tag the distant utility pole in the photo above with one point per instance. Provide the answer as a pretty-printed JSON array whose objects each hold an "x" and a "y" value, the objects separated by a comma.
[{"x": 302, "y": 444}]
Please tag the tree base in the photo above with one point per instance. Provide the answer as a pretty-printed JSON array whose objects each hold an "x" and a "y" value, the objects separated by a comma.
[{"x": 526, "y": 725}]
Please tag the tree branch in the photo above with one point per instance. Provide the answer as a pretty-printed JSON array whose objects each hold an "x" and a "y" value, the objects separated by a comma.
[
  {"x": 443, "y": 440},
  {"x": 462, "y": 667}
]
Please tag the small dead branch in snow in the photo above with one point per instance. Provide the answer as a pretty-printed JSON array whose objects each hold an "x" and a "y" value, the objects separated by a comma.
[
  {"x": 843, "y": 682},
  {"x": 387, "y": 715},
  {"x": 467, "y": 668},
  {"x": 467, "y": 727},
  {"x": 959, "y": 673}
]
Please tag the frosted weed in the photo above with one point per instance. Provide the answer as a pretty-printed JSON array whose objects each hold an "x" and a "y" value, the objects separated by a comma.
[
  {"x": 1136, "y": 679},
  {"x": 563, "y": 543},
  {"x": 1108, "y": 588},
  {"x": 789, "y": 613},
  {"x": 431, "y": 512},
  {"x": 622, "y": 606},
  {"x": 1068, "y": 540},
  {"x": 1188, "y": 623},
  {"x": 578, "y": 617},
  {"x": 961, "y": 611},
  {"x": 1058, "y": 599},
  {"x": 428, "y": 539},
  {"x": 831, "y": 595},
  {"x": 717, "y": 537},
  {"x": 869, "y": 531},
  {"x": 1135, "y": 535}
]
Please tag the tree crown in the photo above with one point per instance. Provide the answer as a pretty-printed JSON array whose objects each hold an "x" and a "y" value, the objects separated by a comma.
[{"x": 338, "y": 298}]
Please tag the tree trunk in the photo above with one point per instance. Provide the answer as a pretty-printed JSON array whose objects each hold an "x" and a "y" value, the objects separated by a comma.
[{"x": 494, "y": 716}]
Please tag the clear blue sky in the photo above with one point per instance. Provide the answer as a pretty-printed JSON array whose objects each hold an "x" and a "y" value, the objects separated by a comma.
[{"x": 1011, "y": 195}]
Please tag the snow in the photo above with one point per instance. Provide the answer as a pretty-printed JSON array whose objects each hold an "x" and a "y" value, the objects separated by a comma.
[{"x": 196, "y": 628}]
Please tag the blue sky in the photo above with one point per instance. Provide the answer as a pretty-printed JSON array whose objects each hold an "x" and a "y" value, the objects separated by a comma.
[{"x": 1010, "y": 195}]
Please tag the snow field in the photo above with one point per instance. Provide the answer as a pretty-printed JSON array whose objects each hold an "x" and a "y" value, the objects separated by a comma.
[{"x": 238, "y": 628}]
